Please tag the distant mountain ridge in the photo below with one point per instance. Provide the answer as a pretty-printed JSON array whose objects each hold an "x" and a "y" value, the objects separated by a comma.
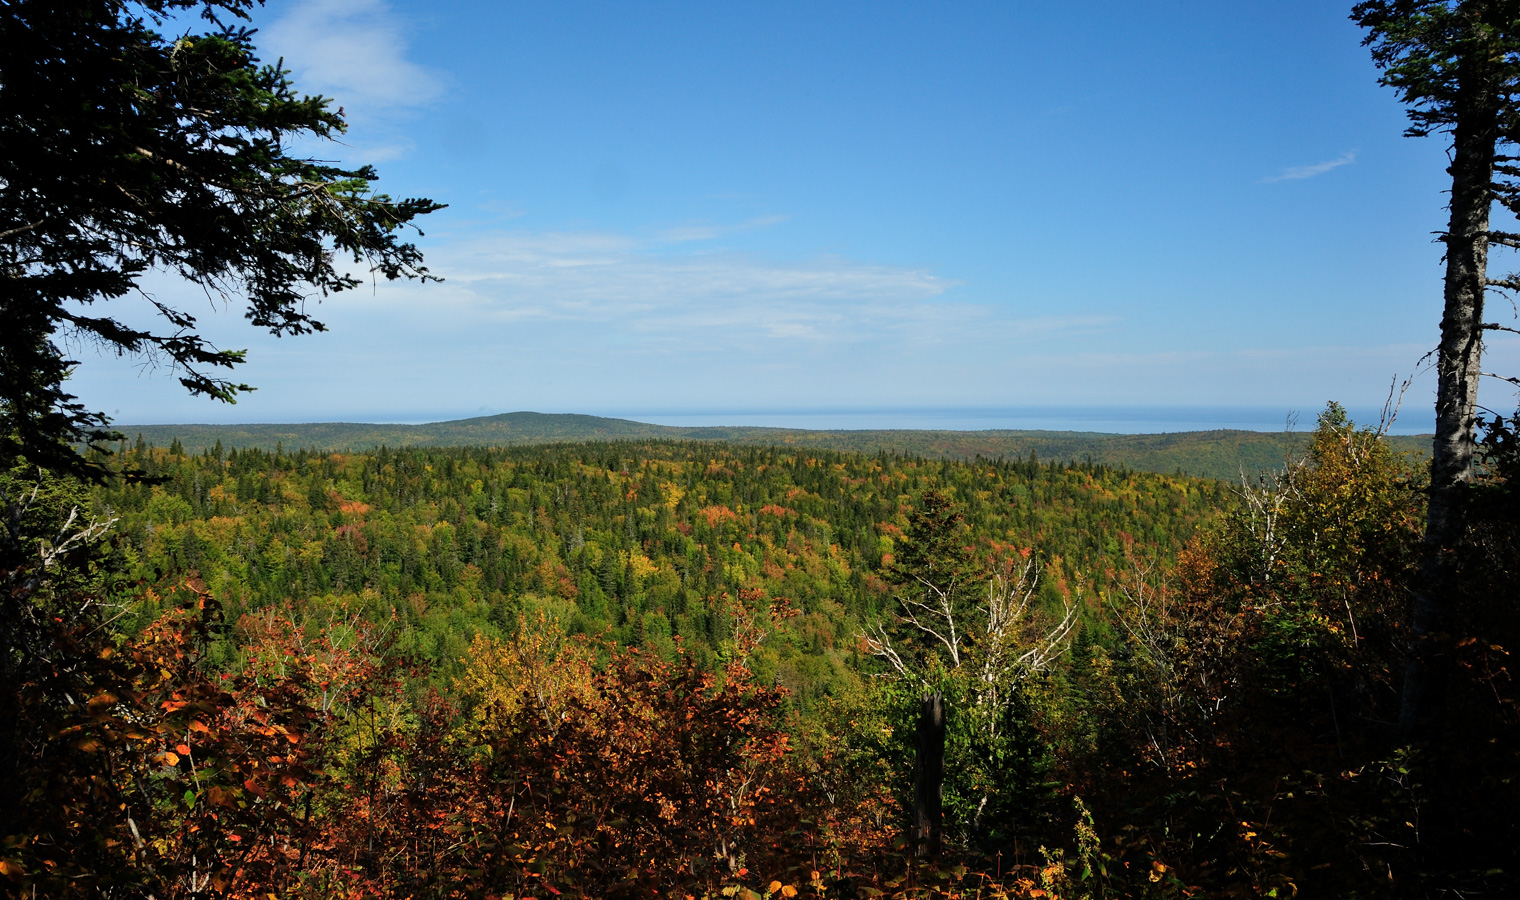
[{"x": 1211, "y": 454}]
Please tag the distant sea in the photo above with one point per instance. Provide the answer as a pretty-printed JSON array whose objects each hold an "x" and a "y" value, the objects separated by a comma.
[{"x": 1109, "y": 419}]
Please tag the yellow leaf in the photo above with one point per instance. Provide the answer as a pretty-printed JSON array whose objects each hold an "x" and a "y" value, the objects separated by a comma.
[{"x": 775, "y": 886}]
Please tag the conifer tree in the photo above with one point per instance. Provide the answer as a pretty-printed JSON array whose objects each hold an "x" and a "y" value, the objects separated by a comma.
[
  {"x": 1456, "y": 64},
  {"x": 127, "y": 153}
]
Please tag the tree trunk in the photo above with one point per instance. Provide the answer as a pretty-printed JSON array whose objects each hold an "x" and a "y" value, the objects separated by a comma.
[
  {"x": 1457, "y": 368},
  {"x": 929, "y": 777}
]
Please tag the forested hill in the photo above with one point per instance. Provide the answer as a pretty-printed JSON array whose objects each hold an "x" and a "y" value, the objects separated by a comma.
[
  {"x": 646, "y": 540},
  {"x": 1209, "y": 454}
]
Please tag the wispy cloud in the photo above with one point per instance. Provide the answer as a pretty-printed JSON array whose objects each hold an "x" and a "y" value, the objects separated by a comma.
[
  {"x": 602, "y": 320},
  {"x": 709, "y": 232},
  {"x": 1298, "y": 173},
  {"x": 613, "y": 287},
  {"x": 597, "y": 280},
  {"x": 355, "y": 51}
]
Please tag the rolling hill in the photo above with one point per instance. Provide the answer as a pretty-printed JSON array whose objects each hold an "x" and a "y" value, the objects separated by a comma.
[{"x": 1210, "y": 454}]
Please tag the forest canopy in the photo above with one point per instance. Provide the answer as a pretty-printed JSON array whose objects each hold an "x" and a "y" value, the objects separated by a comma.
[
  {"x": 648, "y": 668},
  {"x": 679, "y": 637}
]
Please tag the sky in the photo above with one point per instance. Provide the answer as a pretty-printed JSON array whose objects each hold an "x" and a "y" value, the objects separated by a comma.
[{"x": 833, "y": 214}]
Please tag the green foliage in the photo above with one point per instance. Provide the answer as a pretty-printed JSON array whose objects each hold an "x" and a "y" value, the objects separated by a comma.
[
  {"x": 129, "y": 152},
  {"x": 1244, "y": 719},
  {"x": 1430, "y": 51},
  {"x": 934, "y": 553},
  {"x": 1222, "y": 454},
  {"x": 1000, "y": 792},
  {"x": 931, "y": 565},
  {"x": 1223, "y": 712},
  {"x": 647, "y": 543},
  {"x": 42, "y": 512},
  {"x": 1493, "y": 512},
  {"x": 1327, "y": 548}
]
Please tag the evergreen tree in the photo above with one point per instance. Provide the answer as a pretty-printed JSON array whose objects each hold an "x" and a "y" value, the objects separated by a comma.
[
  {"x": 127, "y": 152},
  {"x": 932, "y": 565},
  {"x": 1456, "y": 63}
]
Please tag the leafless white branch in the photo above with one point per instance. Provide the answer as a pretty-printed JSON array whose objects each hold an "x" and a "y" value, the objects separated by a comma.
[
  {"x": 1265, "y": 501},
  {"x": 1002, "y": 644}
]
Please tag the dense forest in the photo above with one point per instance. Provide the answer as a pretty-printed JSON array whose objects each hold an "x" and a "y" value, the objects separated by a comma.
[
  {"x": 643, "y": 543},
  {"x": 724, "y": 668},
  {"x": 1223, "y": 454},
  {"x": 675, "y": 669}
]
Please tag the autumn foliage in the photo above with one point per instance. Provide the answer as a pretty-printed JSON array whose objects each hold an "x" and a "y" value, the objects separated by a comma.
[
  {"x": 1212, "y": 717},
  {"x": 149, "y": 774}
]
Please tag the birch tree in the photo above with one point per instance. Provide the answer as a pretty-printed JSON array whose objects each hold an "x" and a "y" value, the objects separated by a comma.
[{"x": 946, "y": 637}]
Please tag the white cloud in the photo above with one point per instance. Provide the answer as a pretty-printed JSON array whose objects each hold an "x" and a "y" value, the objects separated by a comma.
[
  {"x": 707, "y": 232},
  {"x": 631, "y": 290},
  {"x": 636, "y": 297},
  {"x": 355, "y": 52},
  {"x": 1298, "y": 173},
  {"x": 601, "y": 321}
]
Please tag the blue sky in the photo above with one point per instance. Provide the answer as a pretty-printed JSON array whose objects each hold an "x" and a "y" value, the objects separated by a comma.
[{"x": 746, "y": 209}]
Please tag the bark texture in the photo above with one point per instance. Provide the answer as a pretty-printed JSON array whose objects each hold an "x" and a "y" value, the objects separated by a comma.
[
  {"x": 929, "y": 778},
  {"x": 1458, "y": 366}
]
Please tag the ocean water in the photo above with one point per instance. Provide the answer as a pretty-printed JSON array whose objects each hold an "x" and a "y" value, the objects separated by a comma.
[{"x": 1109, "y": 419}]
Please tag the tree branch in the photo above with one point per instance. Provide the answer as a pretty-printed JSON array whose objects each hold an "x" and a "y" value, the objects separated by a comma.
[{"x": 21, "y": 229}]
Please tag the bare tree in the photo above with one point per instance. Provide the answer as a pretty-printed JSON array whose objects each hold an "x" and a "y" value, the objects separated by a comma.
[
  {"x": 1264, "y": 502},
  {"x": 1000, "y": 641},
  {"x": 1181, "y": 657},
  {"x": 993, "y": 645}
]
